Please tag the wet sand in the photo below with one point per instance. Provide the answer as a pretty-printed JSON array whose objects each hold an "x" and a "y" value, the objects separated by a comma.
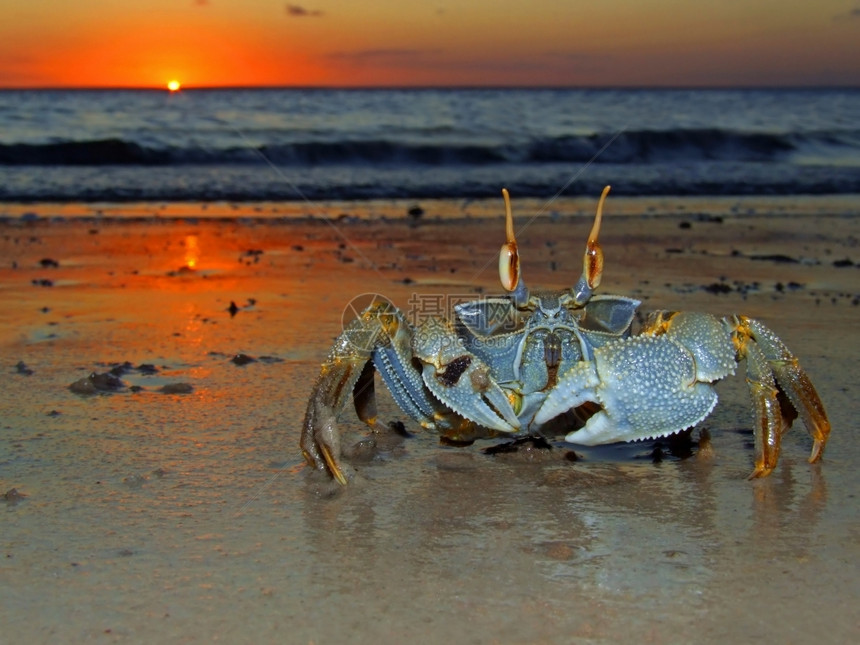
[{"x": 189, "y": 516}]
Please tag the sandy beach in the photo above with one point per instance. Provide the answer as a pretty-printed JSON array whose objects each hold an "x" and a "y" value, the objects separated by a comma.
[{"x": 177, "y": 507}]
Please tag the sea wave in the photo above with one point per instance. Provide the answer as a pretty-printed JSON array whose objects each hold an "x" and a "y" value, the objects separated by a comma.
[{"x": 624, "y": 147}]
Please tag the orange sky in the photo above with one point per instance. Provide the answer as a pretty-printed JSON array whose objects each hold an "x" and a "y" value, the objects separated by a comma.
[{"x": 51, "y": 43}]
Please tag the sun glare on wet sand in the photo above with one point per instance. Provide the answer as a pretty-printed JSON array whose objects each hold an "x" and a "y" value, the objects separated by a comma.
[{"x": 173, "y": 85}]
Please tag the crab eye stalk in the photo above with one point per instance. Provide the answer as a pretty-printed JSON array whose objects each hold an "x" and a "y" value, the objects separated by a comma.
[
  {"x": 592, "y": 261},
  {"x": 509, "y": 258}
]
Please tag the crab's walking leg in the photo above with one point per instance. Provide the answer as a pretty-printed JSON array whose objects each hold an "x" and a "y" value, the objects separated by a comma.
[
  {"x": 380, "y": 332},
  {"x": 768, "y": 357},
  {"x": 768, "y": 417}
]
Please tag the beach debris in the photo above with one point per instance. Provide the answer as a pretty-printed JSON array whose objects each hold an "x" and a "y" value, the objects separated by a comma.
[
  {"x": 121, "y": 368},
  {"x": 533, "y": 364},
  {"x": 790, "y": 286},
  {"x": 242, "y": 359},
  {"x": 270, "y": 359},
  {"x": 97, "y": 383},
  {"x": 234, "y": 308},
  {"x": 13, "y": 496},
  {"x": 775, "y": 257},
  {"x": 251, "y": 256},
  {"x": 717, "y": 287},
  {"x": 110, "y": 381},
  {"x": 134, "y": 481},
  {"x": 183, "y": 270},
  {"x": 177, "y": 388},
  {"x": 532, "y": 449}
]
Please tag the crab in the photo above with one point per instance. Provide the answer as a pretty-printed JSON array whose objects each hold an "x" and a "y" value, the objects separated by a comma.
[{"x": 530, "y": 362}]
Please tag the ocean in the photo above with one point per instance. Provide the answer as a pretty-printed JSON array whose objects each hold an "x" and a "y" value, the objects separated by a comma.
[{"x": 324, "y": 144}]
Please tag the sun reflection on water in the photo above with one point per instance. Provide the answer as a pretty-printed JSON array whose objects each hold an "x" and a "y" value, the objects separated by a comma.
[{"x": 192, "y": 251}]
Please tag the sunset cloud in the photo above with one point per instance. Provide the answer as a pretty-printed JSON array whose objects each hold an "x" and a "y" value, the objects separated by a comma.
[
  {"x": 298, "y": 11},
  {"x": 384, "y": 54}
]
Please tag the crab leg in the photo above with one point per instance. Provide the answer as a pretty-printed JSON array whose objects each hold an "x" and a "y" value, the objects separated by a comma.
[
  {"x": 770, "y": 424},
  {"x": 382, "y": 333},
  {"x": 768, "y": 357}
]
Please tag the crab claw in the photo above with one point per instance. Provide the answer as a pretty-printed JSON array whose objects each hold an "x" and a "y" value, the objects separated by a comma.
[{"x": 461, "y": 380}]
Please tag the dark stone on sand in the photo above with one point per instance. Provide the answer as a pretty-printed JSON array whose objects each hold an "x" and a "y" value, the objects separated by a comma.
[
  {"x": 233, "y": 308},
  {"x": 270, "y": 359},
  {"x": 415, "y": 212},
  {"x": 841, "y": 264},
  {"x": 42, "y": 282},
  {"x": 12, "y": 496},
  {"x": 122, "y": 368},
  {"x": 791, "y": 286},
  {"x": 49, "y": 263},
  {"x": 243, "y": 359},
  {"x": 147, "y": 368},
  {"x": 685, "y": 225},
  {"x": 777, "y": 257},
  {"x": 96, "y": 383},
  {"x": 21, "y": 368},
  {"x": 717, "y": 287},
  {"x": 134, "y": 481},
  {"x": 177, "y": 388}
]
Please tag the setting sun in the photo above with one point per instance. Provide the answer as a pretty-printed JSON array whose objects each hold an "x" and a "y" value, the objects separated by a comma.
[{"x": 173, "y": 85}]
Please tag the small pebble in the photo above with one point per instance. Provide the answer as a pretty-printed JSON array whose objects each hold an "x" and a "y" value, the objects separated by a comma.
[{"x": 177, "y": 388}]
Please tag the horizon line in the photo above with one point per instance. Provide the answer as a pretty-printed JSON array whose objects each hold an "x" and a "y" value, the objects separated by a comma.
[{"x": 428, "y": 87}]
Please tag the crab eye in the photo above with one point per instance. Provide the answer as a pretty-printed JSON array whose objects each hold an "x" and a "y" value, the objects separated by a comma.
[
  {"x": 509, "y": 267},
  {"x": 509, "y": 257},
  {"x": 592, "y": 264}
]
